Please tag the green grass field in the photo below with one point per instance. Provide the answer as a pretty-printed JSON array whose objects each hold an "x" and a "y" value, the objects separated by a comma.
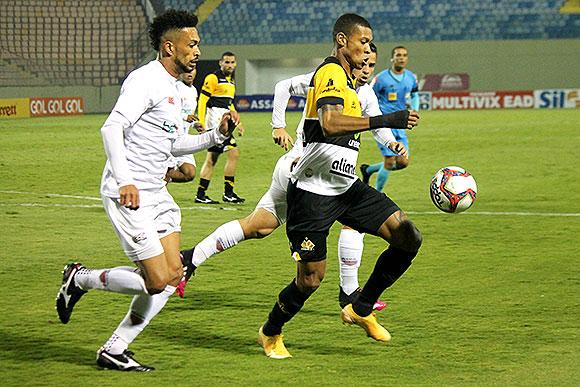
[{"x": 491, "y": 299}]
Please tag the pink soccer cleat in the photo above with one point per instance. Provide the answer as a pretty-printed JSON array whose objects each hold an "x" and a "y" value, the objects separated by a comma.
[{"x": 380, "y": 305}]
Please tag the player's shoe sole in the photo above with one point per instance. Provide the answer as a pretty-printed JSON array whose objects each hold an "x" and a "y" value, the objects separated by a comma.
[
  {"x": 122, "y": 362},
  {"x": 69, "y": 293},
  {"x": 273, "y": 345},
  {"x": 369, "y": 323}
]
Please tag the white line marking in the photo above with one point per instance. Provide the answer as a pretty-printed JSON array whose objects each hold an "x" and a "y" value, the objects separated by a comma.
[
  {"x": 499, "y": 213},
  {"x": 51, "y": 195},
  {"x": 205, "y": 208}
]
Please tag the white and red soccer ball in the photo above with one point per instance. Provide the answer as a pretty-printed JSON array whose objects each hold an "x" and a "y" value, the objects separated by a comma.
[{"x": 453, "y": 189}]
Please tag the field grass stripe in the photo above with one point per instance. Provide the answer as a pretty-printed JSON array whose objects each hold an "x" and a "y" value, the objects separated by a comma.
[{"x": 215, "y": 208}]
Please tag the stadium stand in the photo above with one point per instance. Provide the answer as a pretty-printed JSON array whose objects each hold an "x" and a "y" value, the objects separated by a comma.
[
  {"x": 183, "y": 4},
  {"x": 77, "y": 42},
  {"x": 72, "y": 42},
  {"x": 290, "y": 21}
]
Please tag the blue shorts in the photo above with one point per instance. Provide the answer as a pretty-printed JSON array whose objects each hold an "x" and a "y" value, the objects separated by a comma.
[{"x": 400, "y": 136}]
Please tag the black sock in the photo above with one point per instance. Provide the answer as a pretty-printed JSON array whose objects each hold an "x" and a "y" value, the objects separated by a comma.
[
  {"x": 229, "y": 184},
  {"x": 203, "y": 185},
  {"x": 390, "y": 266},
  {"x": 187, "y": 254},
  {"x": 290, "y": 301}
]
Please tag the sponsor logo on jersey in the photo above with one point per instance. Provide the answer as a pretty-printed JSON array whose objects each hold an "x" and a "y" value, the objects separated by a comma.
[
  {"x": 354, "y": 143},
  {"x": 343, "y": 168},
  {"x": 169, "y": 127},
  {"x": 330, "y": 83},
  {"x": 139, "y": 237},
  {"x": 329, "y": 89}
]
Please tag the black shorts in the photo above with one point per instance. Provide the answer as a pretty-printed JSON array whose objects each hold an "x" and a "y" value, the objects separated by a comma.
[
  {"x": 225, "y": 146},
  {"x": 310, "y": 217}
]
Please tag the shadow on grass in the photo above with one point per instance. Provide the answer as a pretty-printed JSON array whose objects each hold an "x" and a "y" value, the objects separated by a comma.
[
  {"x": 26, "y": 348},
  {"x": 236, "y": 317}
]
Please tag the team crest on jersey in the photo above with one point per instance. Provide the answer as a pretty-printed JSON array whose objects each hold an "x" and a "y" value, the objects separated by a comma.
[
  {"x": 169, "y": 127},
  {"x": 171, "y": 100},
  {"x": 307, "y": 245},
  {"x": 330, "y": 83}
]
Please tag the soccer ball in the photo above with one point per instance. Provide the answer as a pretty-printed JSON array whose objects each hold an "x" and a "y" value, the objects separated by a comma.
[{"x": 453, "y": 189}]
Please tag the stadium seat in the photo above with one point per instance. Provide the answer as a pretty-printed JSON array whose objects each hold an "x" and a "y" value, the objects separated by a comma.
[{"x": 43, "y": 32}]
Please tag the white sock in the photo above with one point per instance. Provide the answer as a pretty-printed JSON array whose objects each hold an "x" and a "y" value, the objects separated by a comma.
[
  {"x": 225, "y": 236},
  {"x": 146, "y": 307},
  {"x": 122, "y": 279},
  {"x": 350, "y": 248}
]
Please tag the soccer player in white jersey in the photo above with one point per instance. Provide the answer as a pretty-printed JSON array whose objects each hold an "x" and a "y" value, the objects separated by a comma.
[
  {"x": 182, "y": 168},
  {"x": 324, "y": 188},
  {"x": 140, "y": 135},
  {"x": 270, "y": 211}
]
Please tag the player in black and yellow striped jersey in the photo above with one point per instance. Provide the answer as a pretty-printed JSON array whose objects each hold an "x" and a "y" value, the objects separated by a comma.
[
  {"x": 324, "y": 188},
  {"x": 217, "y": 97}
]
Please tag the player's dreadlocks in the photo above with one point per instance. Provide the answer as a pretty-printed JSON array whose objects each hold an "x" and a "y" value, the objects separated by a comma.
[{"x": 167, "y": 21}]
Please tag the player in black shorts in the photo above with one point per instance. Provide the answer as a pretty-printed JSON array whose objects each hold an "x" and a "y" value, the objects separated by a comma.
[{"x": 324, "y": 188}]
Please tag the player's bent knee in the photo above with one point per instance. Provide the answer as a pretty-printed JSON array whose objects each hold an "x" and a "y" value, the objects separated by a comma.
[
  {"x": 402, "y": 163},
  {"x": 308, "y": 284},
  {"x": 263, "y": 232},
  {"x": 152, "y": 290},
  {"x": 412, "y": 236},
  {"x": 136, "y": 319}
]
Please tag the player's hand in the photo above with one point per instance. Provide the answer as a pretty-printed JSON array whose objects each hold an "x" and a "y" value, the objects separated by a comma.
[
  {"x": 129, "y": 196},
  {"x": 413, "y": 119},
  {"x": 241, "y": 130},
  {"x": 199, "y": 127},
  {"x": 229, "y": 122},
  {"x": 399, "y": 148},
  {"x": 282, "y": 138}
]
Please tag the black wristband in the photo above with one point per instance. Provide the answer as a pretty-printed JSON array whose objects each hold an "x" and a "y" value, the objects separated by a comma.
[{"x": 396, "y": 120}]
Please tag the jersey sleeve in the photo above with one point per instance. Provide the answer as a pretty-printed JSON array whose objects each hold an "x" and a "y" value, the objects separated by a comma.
[
  {"x": 207, "y": 90},
  {"x": 295, "y": 86},
  {"x": 376, "y": 84},
  {"x": 134, "y": 100},
  {"x": 330, "y": 85},
  {"x": 415, "y": 94}
]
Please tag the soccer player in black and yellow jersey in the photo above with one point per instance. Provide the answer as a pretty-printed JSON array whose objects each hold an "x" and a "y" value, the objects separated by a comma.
[
  {"x": 217, "y": 98},
  {"x": 324, "y": 188}
]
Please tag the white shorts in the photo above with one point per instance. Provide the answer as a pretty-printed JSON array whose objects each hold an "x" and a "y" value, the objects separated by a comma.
[
  {"x": 140, "y": 230},
  {"x": 274, "y": 201},
  {"x": 213, "y": 117},
  {"x": 176, "y": 162}
]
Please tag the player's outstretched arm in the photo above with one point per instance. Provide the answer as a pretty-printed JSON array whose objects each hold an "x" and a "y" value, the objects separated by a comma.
[
  {"x": 334, "y": 123},
  {"x": 187, "y": 143}
]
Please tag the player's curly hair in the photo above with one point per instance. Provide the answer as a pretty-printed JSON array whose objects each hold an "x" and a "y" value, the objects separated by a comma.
[
  {"x": 347, "y": 22},
  {"x": 170, "y": 20}
]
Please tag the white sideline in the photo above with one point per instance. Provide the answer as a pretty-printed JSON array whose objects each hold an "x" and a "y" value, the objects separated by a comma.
[{"x": 213, "y": 208}]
